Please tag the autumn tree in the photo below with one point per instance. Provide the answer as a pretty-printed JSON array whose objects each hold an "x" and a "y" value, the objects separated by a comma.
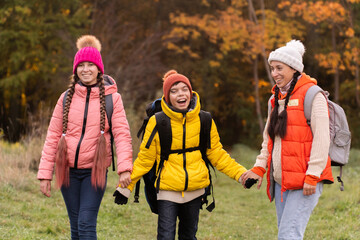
[
  {"x": 334, "y": 44},
  {"x": 34, "y": 42},
  {"x": 242, "y": 33},
  {"x": 221, "y": 45},
  {"x": 331, "y": 19}
]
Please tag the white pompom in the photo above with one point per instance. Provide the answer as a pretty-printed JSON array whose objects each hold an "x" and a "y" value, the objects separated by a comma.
[{"x": 298, "y": 45}]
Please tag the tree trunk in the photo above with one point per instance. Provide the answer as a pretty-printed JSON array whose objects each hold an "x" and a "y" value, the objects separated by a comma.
[
  {"x": 257, "y": 96},
  {"x": 263, "y": 52},
  {"x": 336, "y": 74},
  {"x": 357, "y": 84},
  {"x": 253, "y": 18}
]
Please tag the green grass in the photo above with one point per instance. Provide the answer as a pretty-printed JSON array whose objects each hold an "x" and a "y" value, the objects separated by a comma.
[{"x": 239, "y": 214}]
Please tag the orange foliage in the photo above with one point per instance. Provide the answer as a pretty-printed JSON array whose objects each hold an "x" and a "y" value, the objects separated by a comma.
[
  {"x": 330, "y": 61},
  {"x": 214, "y": 64},
  {"x": 315, "y": 12},
  {"x": 263, "y": 83},
  {"x": 350, "y": 32},
  {"x": 233, "y": 31}
]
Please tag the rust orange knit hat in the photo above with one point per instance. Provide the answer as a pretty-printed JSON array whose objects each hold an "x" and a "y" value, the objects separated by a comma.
[{"x": 170, "y": 78}]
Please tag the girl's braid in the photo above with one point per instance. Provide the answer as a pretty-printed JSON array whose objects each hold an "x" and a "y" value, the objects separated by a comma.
[
  {"x": 98, "y": 172},
  {"x": 102, "y": 103},
  {"x": 274, "y": 115},
  {"x": 292, "y": 86},
  {"x": 281, "y": 125},
  {"x": 74, "y": 80},
  {"x": 278, "y": 124}
]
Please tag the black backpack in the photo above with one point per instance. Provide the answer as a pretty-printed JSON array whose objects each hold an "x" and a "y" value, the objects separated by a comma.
[
  {"x": 163, "y": 127},
  {"x": 109, "y": 107}
]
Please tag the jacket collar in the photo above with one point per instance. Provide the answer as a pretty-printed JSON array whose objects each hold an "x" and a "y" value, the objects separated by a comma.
[
  {"x": 110, "y": 87},
  {"x": 304, "y": 79}
]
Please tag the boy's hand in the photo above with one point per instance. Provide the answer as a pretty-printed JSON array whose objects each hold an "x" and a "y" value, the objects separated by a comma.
[
  {"x": 249, "y": 182},
  {"x": 119, "y": 198}
]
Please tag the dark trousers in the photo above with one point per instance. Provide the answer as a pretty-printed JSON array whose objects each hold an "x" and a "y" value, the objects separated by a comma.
[
  {"x": 188, "y": 214},
  {"x": 82, "y": 202}
]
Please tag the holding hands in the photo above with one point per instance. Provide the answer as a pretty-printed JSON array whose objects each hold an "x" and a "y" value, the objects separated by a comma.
[
  {"x": 249, "y": 178},
  {"x": 124, "y": 179},
  {"x": 121, "y": 193},
  {"x": 119, "y": 198}
]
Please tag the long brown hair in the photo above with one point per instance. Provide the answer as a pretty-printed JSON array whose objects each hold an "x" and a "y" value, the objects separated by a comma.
[
  {"x": 98, "y": 174},
  {"x": 278, "y": 122}
]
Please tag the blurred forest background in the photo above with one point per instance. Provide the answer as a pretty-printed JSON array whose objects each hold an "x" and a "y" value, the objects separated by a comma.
[{"x": 221, "y": 45}]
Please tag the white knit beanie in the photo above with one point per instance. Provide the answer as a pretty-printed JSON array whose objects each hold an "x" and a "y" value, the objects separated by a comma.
[{"x": 291, "y": 55}]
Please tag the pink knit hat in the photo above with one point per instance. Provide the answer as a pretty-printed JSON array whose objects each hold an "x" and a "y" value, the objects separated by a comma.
[
  {"x": 89, "y": 51},
  {"x": 170, "y": 78}
]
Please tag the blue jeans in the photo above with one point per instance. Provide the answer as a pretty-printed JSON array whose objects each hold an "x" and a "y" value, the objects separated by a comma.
[
  {"x": 188, "y": 214},
  {"x": 82, "y": 202},
  {"x": 294, "y": 211}
]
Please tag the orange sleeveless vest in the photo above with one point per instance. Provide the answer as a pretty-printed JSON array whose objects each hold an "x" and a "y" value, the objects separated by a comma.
[{"x": 296, "y": 145}]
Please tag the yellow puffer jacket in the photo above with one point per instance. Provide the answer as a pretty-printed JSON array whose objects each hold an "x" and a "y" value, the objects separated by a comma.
[{"x": 183, "y": 172}]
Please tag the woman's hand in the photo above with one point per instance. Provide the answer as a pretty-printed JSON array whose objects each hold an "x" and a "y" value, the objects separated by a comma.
[
  {"x": 45, "y": 187},
  {"x": 309, "y": 189},
  {"x": 250, "y": 174},
  {"x": 124, "y": 179}
]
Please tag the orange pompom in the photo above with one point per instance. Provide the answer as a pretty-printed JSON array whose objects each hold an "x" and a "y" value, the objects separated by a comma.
[
  {"x": 170, "y": 72},
  {"x": 88, "y": 41}
]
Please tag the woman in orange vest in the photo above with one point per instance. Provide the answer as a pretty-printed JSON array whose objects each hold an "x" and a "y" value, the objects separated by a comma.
[{"x": 294, "y": 153}]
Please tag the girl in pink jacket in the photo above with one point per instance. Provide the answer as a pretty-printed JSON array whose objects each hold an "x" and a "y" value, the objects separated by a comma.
[{"x": 78, "y": 140}]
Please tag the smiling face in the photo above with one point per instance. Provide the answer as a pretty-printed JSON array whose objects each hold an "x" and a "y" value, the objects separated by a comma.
[
  {"x": 281, "y": 73},
  {"x": 87, "y": 72},
  {"x": 180, "y": 96}
]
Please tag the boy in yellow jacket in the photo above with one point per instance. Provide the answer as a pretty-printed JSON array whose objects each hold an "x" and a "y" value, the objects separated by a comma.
[{"x": 184, "y": 176}]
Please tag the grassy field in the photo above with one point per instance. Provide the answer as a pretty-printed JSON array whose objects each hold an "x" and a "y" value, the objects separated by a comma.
[{"x": 239, "y": 214}]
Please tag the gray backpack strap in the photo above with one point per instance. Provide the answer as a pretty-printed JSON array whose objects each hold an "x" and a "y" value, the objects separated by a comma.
[
  {"x": 269, "y": 104},
  {"x": 309, "y": 97}
]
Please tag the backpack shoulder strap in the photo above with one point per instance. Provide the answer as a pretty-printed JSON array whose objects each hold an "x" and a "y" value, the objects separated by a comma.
[
  {"x": 269, "y": 104},
  {"x": 206, "y": 122},
  {"x": 205, "y": 138},
  {"x": 205, "y": 143},
  {"x": 109, "y": 107},
  {"x": 165, "y": 133},
  {"x": 309, "y": 98},
  {"x": 163, "y": 127},
  {"x": 64, "y": 99}
]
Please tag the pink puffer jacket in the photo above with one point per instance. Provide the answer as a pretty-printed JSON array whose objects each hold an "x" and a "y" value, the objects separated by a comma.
[{"x": 84, "y": 131}]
